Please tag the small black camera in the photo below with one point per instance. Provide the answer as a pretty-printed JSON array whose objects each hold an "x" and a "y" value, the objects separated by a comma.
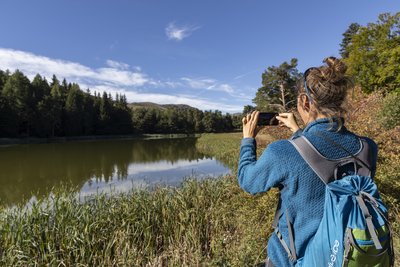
[{"x": 267, "y": 119}]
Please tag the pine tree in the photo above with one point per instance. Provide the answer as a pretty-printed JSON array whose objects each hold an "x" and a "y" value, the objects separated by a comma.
[
  {"x": 89, "y": 114},
  {"x": 74, "y": 111},
  {"x": 347, "y": 39},
  {"x": 19, "y": 94},
  {"x": 3, "y": 79},
  {"x": 41, "y": 90},
  {"x": 56, "y": 108},
  {"x": 278, "y": 87},
  {"x": 105, "y": 113}
]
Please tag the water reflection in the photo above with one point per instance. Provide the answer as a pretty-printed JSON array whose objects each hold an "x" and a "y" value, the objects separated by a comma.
[{"x": 95, "y": 165}]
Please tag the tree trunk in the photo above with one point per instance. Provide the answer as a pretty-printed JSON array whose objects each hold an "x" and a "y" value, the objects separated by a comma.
[{"x": 283, "y": 100}]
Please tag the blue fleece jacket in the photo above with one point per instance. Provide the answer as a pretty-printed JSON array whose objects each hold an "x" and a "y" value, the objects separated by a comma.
[{"x": 302, "y": 193}]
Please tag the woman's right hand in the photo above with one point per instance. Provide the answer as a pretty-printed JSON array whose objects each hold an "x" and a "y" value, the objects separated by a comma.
[
  {"x": 250, "y": 128},
  {"x": 288, "y": 120}
]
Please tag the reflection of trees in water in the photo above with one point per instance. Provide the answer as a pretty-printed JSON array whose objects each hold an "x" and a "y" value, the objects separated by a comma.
[
  {"x": 170, "y": 150},
  {"x": 38, "y": 168}
]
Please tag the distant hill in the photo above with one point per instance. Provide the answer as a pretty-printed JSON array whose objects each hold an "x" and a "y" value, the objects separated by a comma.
[{"x": 136, "y": 105}]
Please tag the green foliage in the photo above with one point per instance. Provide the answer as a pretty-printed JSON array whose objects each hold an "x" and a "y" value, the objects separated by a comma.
[
  {"x": 278, "y": 92},
  {"x": 73, "y": 111},
  {"x": 247, "y": 109},
  {"x": 176, "y": 120},
  {"x": 3, "y": 78},
  {"x": 374, "y": 54},
  {"x": 389, "y": 115},
  {"x": 237, "y": 121},
  {"x": 19, "y": 94},
  {"x": 8, "y": 119},
  {"x": 347, "y": 39}
]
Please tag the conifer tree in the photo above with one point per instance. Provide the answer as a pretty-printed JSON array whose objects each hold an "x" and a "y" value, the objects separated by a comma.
[
  {"x": 56, "y": 104},
  {"x": 278, "y": 87},
  {"x": 347, "y": 39},
  {"x": 74, "y": 111},
  {"x": 19, "y": 94}
]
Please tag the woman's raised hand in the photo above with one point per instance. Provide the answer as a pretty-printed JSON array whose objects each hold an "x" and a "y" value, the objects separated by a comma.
[
  {"x": 250, "y": 128},
  {"x": 288, "y": 120}
]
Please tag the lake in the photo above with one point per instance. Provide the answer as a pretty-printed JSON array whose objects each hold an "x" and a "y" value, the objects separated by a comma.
[{"x": 31, "y": 171}]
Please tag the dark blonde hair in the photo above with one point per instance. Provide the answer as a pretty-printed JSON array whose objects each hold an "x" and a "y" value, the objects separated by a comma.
[{"x": 327, "y": 87}]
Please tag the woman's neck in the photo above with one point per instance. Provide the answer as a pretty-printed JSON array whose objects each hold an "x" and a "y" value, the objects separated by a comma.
[{"x": 313, "y": 117}]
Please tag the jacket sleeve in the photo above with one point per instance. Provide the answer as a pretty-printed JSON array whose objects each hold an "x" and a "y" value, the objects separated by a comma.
[{"x": 257, "y": 176}]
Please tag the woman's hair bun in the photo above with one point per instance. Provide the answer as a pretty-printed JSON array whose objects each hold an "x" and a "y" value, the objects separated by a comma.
[{"x": 335, "y": 69}]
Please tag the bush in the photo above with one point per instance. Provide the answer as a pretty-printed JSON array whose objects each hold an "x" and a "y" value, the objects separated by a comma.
[{"x": 389, "y": 116}]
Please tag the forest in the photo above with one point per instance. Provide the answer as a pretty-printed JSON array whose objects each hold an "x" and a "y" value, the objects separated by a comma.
[{"x": 38, "y": 108}]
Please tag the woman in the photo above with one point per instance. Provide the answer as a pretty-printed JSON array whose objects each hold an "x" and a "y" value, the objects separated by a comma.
[{"x": 320, "y": 103}]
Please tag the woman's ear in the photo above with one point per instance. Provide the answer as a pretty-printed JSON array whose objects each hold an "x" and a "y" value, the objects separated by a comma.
[{"x": 305, "y": 103}]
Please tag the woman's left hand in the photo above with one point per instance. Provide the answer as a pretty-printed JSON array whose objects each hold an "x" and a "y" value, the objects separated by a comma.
[{"x": 250, "y": 128}]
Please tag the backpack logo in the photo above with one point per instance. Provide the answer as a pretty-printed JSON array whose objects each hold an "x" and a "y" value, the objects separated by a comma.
[{"x": 335, "y": 250}]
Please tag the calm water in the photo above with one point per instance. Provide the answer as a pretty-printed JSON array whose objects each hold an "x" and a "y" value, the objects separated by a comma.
[{"x": 31, "y": 171}]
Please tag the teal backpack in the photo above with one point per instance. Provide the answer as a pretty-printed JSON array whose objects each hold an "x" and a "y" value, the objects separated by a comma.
[{"x": 354, "y": 230}]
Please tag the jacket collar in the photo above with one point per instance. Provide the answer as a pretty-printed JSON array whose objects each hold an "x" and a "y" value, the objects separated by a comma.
[{"x": 323, "y": 124}]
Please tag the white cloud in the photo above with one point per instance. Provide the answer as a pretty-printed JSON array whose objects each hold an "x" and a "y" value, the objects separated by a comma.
[
  {"x": 178, "y": 33},
  {"x": 226, "y": 88},
  {"x": 31, "y": 64},
  {"x": 137, "y": 68}
]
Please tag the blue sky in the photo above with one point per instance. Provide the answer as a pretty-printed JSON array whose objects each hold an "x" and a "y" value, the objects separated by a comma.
[{"x": 208, "y": 54}]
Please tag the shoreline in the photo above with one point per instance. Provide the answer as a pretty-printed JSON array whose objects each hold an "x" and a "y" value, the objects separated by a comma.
[{"x": 37, "y": 140}]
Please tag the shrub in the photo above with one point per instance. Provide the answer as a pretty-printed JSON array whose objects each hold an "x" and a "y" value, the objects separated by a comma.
[{"x": 389, "y": 116}]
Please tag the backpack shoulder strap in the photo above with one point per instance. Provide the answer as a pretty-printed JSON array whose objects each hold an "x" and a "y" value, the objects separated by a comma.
[
  {"x": 325, "y": 168},
  {"x": 363, "y": 155},
  {"x": 319, "y": 164}
]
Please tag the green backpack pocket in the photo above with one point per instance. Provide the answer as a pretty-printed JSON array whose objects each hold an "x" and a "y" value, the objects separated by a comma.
[{"x": 361, "y": 251}]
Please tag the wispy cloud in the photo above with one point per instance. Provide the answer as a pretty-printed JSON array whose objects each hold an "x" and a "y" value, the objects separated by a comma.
[
  {"x": 117, "y": 77},
  {"x": 178, "y": 33},
  {"x": 245, "y": 74},
  {"x": 114, "y": 45},
  {"x": 199, "y": 83},
  {"x": 117, "y": 65},
  {"x": 209, "y": 84}
]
